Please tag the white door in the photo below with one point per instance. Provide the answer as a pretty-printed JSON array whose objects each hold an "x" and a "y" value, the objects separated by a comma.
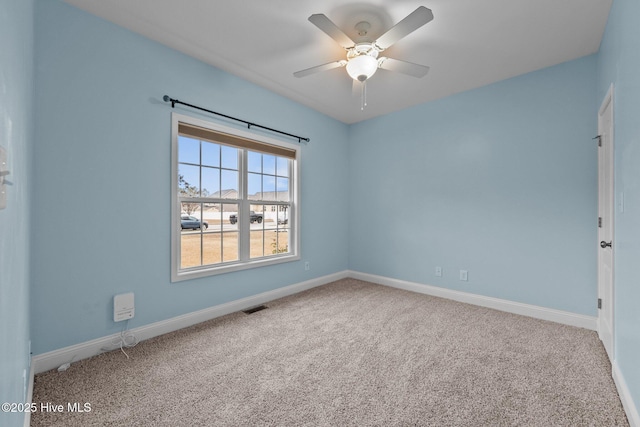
[{"x": 605, "y": 224}]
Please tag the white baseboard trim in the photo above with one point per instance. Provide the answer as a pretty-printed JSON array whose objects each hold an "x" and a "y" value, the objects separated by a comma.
[
  {"x": 625, "y": 396},
  {"x": 53, "y": 359},
  {"x": 27, "y": 415},
  {"x": 558, "y": 316}
]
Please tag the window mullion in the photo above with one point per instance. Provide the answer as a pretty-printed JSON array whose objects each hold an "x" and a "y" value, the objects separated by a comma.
[
  {"x": 292, "y": 206},
  {"x": 244, "y": 236},
  {"x": 200, "y": 232}
]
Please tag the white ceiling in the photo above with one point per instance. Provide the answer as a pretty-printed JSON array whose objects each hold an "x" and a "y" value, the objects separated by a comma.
[{"x": 468, "y": 44}]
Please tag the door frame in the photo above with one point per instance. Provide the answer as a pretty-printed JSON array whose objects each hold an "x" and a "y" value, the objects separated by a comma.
[{"x": 607, "y": 102}]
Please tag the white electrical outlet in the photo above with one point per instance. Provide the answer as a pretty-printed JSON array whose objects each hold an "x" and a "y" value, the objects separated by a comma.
[
  {"x": 307, "y": 265},
  {"x": 123, "y": 307},
  {"x": 464, "y": 275},
  {"x": 438, "y": 271}
]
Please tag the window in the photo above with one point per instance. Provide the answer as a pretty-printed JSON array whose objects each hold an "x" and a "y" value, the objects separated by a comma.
[{"x": 234, "y": 199}]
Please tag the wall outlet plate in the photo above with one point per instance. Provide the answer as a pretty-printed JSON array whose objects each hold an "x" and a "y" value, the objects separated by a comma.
[{"x": 464, "y": 275}]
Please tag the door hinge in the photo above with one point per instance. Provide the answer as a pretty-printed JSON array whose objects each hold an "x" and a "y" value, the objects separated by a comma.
[
  {"x": 599, "y": 138},
  {"x": 599, "y": 302},
  {"x": 599, "y": 222}
]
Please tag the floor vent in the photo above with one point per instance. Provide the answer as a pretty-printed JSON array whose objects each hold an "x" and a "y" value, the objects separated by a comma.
[{"x": 254, "y": 309}]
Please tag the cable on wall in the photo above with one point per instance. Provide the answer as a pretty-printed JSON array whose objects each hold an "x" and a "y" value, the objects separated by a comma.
[
  {"x": 173, "y": 101},
  {"x": 126, "y": 339}
]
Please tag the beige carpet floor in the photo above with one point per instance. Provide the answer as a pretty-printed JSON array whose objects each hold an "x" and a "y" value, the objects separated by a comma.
[{"x": 349, "y": 353}]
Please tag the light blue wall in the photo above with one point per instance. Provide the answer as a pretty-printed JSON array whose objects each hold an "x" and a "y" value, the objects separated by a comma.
[
  {"x": 500, "y": 181},
  {"x": 102, "y": 178},
  {"x": 16, "y": 95},
  {"x": 618, "y": 63}
]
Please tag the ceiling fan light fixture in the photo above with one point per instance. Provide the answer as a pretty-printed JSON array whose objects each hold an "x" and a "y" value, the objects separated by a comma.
[{"x": 362, "y": 67}]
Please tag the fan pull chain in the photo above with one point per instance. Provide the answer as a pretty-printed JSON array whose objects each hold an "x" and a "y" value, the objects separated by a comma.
[
  {"x": 364, "y": 88},
  {"x": 363, "y": 96}
]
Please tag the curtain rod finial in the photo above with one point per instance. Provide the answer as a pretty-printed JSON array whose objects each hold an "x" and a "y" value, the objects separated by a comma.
[{"x": 166, "y": 98}]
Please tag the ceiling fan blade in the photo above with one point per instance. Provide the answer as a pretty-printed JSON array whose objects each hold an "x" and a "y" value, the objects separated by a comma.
[
  {"x": 412, "y": 22},
  {"x": 318, "y": 68},
  {"x": 325, "y": 24},
  {"x": 404, "y": 67}
]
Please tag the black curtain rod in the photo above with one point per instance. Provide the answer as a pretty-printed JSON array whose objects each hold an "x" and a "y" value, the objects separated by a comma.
[{"x": 166, "y": 98}]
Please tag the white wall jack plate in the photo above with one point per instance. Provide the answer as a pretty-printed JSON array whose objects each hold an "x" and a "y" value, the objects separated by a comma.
[
  {"x": 438, "y": 271},
  {"x": 123, "y": 307},
  {"x": 307, "y": 265},
  {"x": 464, "y": 275}
]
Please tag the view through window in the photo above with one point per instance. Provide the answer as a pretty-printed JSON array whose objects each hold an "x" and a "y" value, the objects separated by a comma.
[{"x": 234, "y": 197}]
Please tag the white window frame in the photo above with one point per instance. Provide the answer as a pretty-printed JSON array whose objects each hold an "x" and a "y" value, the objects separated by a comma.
[{"x": 179, "y": 274}]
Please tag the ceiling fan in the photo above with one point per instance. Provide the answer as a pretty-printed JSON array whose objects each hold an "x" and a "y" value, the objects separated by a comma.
[{"x": 363, "y": 57}]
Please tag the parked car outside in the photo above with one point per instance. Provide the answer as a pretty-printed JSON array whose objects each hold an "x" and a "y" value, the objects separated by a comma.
[
  {"x": 254, "y": 217},
  {"x": 188, "y": 222}
]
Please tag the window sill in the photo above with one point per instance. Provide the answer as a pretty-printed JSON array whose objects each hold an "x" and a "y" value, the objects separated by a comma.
[{"x": 229, "y": 268}]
